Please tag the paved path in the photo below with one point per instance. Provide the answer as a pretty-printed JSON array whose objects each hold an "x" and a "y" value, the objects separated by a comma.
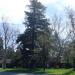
[{"x": 11, "y": 73}]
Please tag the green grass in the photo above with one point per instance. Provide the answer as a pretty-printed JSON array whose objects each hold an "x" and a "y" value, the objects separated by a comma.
[
  {"x": 58, "y": 71},
  {"x": 22, "y": 70},
  {"x": 62, "y": 71},
  {"x": 72, "y": 73}
]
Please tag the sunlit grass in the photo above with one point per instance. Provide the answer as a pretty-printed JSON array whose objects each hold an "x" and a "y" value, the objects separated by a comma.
[{"x": 58, "y": 71}]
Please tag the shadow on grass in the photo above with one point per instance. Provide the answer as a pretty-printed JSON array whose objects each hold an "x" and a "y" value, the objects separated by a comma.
[
  {"x": 68, "y": 72},
  {"x": 33, "y": 71},
  {"x": 36, "y": 71}
]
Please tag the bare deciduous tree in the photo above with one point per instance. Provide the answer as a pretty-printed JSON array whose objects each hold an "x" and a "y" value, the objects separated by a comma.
[
  {"x": 57, "y": 25},
  {"x": 9, "y": 36}
]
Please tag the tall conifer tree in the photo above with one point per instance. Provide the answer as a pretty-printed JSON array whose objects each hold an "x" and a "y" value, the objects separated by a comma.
[{"x": 36, "y": 25}]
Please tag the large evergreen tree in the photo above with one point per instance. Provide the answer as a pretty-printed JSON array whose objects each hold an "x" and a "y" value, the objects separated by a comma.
[{"x": 37, "y": 31}]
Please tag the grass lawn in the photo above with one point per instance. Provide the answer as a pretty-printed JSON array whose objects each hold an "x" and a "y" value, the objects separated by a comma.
[
  {"x": 40, "y": 70},
  {"x": 59, "y": 71},
  {"x": 72, "y": 73}
]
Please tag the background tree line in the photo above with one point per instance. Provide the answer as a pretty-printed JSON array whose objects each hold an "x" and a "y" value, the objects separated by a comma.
[{"x": 41, "y": 44}]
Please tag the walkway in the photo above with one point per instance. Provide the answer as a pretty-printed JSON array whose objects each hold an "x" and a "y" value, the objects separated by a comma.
[{"x": 11, "y": 73}]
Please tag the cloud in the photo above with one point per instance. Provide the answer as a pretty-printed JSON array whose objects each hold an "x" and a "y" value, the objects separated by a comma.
[
  {"x": 48, "y": 1},
  {"x": 70, "y": 3},
  {"x": 14, "y": 9},
  {"x": 61, "y": 5}
]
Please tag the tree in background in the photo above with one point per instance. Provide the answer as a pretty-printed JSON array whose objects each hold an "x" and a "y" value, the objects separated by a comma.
[
  {"x": 8, "y": 35},
  {"x": 1, "y": 48},
  {"x": 36, "y": 26},
  {"x": 71, "y": 21},
  {"x": 57, "y": 50}
]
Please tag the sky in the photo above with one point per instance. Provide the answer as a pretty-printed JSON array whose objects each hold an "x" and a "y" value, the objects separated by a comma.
[{"x": 13, "y": 10}]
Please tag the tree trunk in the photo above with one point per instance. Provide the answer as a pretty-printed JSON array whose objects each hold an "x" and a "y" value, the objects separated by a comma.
[
  {"x": 74, "y": 63},
  {"x": 4, "y": 63}
]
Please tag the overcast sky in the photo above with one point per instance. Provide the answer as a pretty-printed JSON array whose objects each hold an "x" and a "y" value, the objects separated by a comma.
[{"x": 13, "y": 10}]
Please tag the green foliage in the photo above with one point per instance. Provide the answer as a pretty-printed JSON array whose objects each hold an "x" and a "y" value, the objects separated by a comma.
[
  {"x": 16, "y": 59},
  {"x": 36, "y": 35},
  {"x": 9, "y": 53}
]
